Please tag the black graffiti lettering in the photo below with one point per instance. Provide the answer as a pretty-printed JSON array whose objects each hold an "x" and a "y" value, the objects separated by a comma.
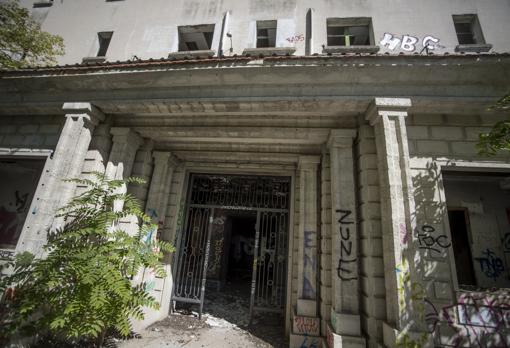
[
  {"x": 342, "y": 218},
  {"x": 426, "y": 241},
  {"x": 343, "y": 247},
  {"x": 428, "y": 229},
  {"x": 347, "y": 266},
  {"x": 343, "y": 272},
  {"x": 346, "y": 229},
  {"x": 21, "y": 201}
]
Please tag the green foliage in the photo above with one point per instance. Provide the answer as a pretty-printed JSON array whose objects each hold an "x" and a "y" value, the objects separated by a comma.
[
  {"x": 499, "y": 137},
  {"x": 84, "y": 286},
  {"x": 22, "y": 43}
]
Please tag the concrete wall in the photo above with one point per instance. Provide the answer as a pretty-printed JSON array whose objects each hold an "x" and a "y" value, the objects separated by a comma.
[
  {"x": 151, "y": 31},
  {"x": 373, "y": 304},
  {"x": 442, "y": 144}
]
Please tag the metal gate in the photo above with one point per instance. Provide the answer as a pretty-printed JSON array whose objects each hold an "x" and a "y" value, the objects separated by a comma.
[{"x": 269, "y": 197}]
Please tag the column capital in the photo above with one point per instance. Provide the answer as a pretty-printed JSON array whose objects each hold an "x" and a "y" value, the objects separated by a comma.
[
  {"x": 389, "y": 107},
  {"x": 341, "y": 138},
  {"x": 308, "y": 162},
  {"x": 88, "y": 111},
  {"x": 165, "y": 157},
  {"x": 126, "y": 135}
]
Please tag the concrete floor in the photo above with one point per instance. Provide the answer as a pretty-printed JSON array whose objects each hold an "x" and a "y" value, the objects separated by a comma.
[{"x": 225, "y": 323}]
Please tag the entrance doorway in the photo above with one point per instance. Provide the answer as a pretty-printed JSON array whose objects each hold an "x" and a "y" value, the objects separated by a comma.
[{"x": 235, "y": 240}]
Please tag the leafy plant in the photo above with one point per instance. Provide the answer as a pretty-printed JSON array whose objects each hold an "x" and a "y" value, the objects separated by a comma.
[
  {"x": 499, "y": 136},
  {"x": 22, "y": 42},
  {"x": 84, "y": 285}
]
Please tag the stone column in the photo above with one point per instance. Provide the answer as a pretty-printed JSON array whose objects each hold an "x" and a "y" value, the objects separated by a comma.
[
  {"x": 387, "y": 115},
  {"x": 66, "y": 163},
  {"x": 120, "y": 164},
  {"x": 157, "y": 201},
  {"x": 122, "y": 156},
  {"x": 345, "y": 327},
  {"x": 159, "y": 189},
  {"x": 305, "y": 320}
]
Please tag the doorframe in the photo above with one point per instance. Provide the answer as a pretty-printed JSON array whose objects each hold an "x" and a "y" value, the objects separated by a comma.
[{"x": 283, "y": 172}]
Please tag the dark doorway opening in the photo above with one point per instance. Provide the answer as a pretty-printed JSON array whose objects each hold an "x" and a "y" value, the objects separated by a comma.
[
  {"x": 230, "y": 269},
  {"x": 461, "y": 247}
]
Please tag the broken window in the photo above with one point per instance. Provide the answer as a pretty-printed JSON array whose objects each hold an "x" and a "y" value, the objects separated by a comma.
[
  {"x": 18, "y": 182},
  {"x": 266, "y": 34},
  {"x": 468, "y": 29},
  {"x": 195, "y": 37},
  {"x": 478, "y": 207},
  {"x": 104, "y": 39},
  {"x": 349, "y": 31}
]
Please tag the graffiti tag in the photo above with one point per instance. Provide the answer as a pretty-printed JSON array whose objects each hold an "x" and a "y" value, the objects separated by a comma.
[
  {"x": 429, "y": 242},
  {"x": 409, "y": 43},
  {"x": 491, "y": 265},
  {"x": 346, "y": 269},
  {"x": 296, "y": 38}
]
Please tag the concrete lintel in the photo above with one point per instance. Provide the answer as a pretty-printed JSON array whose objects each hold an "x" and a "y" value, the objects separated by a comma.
[
  {"x": 87, "y": 110},
  {"x": 308, "y": 162},
  {"x": 379, "y": 107},
  {"x": 341, "y": 137}
]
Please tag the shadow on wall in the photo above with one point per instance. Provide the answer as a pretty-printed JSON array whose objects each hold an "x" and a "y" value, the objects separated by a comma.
[{"x": 433, "y": 314}]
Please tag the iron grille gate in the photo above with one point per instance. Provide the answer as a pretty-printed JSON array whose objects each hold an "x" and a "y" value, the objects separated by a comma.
[{"x": 269, "y": 197}]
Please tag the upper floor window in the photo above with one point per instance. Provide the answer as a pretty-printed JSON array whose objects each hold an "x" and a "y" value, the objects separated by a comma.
[
  {"x": 104, "y": 39},
  {"x": 349, "y": 31},
  {"x": 469, "y": 34},
  {"x": 266, "y": 34},
  {"x": 468, "y": 29},
  {"x": 195, "y": 37}
]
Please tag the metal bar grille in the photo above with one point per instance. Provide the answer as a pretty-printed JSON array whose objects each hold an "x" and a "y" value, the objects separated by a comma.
[
  {"x": 270, "y": 197},
  {"x": 270, "y": 263}
]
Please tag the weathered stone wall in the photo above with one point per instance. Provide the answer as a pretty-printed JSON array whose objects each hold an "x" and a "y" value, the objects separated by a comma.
[
  {"x": 373, "y": 305},
  {"x": 453, "y": 317},
  {"x": 30, "y": 132},
  {"x": 326, "y": 271}
]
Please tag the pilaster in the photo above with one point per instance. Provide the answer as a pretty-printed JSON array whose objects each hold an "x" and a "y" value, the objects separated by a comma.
[
  {"x": 66, "y": 163},
  {"x": 387, "y": 116},
  {"x": 306, "y": 323},
  {"x": 345, "y": 330}
]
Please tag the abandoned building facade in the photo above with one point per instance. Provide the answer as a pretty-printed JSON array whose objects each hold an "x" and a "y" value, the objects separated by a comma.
[{"x": 319, "y": 154}]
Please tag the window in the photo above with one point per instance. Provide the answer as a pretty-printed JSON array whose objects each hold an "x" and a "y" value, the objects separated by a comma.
[
  {"x": 266, "y": 34},
  {"x": 195, "y": 37},
  {"x": 468, "y": 29},
  {"x": 478, "y": 206},
  {"x": 349, "y": 31},
  {"x": 18, "y": 182},
  {"x": 104, "y": 39}
]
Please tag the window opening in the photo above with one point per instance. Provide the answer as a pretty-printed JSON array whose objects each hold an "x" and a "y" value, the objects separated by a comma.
[
  {"x": 468, "y": 29},
  {"x": 266, "y": 34},
  {"x": 18, "y": 182},
  {"x": 478, "y": 205},
  {"x": 195, "y": 37},
  {"x": 104, "y": 39},
  {"x": 348, "y": 31}
]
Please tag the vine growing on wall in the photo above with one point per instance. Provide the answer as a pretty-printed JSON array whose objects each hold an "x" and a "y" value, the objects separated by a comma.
[{"x": 83, "y": 286}]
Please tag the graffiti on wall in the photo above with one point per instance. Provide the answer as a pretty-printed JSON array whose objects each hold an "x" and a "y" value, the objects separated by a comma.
[
  {"x": 490, "y": 264},
  {"x": 296, "y": 38},
  {"x": 427, "y": 241},
  {"x": 347, "y": 262},
  {"x": 477, "y": 318},
  {"x": 309, "y": 265},
  {"x": 306, "y": 326},
  {"x": 410, "y": 43}
]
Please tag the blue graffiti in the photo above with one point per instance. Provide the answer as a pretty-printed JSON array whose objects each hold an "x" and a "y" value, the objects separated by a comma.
[{"x": 491, "y": 265}]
